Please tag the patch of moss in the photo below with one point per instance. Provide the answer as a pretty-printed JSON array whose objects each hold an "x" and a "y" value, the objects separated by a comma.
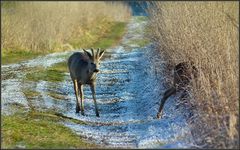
[{"x": 38, "y": 130}]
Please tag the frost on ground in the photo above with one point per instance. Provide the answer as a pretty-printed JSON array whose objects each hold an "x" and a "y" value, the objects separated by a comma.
[{"x": 129, "y": 88}]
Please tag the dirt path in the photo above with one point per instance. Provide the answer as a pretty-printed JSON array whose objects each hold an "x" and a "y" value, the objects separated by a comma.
[{"x": 128, "y": 91}]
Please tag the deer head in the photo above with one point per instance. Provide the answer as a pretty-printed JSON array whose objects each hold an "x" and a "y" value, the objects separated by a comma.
[{"x": 94, "y": 59}]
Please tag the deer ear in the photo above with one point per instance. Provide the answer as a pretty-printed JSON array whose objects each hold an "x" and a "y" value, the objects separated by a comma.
[
  {"x": 101, "y": 54},
  {"x": 87, "y": 53}
]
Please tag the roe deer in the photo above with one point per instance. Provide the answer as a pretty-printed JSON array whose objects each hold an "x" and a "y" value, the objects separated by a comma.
[
  {"x": 83, "y": 68},
  {"x": 183, "y": 73}
]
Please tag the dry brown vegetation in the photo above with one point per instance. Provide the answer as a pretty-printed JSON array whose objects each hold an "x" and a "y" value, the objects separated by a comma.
[
  {"x": 44, "y": 26},
  {"x": 207, "y": 34}
]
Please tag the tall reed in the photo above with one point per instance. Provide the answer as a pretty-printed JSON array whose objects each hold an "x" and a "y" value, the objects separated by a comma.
[{"x": 207, "y": 34}]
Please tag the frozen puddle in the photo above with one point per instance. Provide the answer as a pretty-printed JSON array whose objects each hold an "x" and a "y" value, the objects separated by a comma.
[{"x": 128, "y": 91}]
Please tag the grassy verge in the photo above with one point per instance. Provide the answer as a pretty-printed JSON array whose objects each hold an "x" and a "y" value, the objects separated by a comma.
[
  {"x": 141, "y": 19},
  {"x": 56, "y": 72},
  {"x": 56, "y": 96},
  {"x": 18, "y": 56},
  {"x": 140, "y": 42},
  {"x": 30, "y": 93},
  {"x": 106, "y": 39},
  {"x": 41, "y": 28},
  {"x": 38, "y": 130},
  {"x": 112, "y": 38},
  {"x": 51, "y": 75}
]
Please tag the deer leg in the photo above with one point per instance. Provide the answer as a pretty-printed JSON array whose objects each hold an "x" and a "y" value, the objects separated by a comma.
[
  {"x": 94, "y": 98},
  {"x": 77, "y": 95},
  {"x": 82, "y": 98},
  {"x": 166, "y": 95}
]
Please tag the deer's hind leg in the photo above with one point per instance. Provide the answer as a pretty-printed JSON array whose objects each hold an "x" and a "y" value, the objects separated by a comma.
[
  {"x": 166, "y": 95},
  {"x": 77, "y": 96}
]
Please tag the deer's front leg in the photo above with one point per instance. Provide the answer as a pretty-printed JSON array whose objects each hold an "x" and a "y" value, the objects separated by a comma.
[
  {"x": 82, "y": 98},
  {"x": 77, "y": 96},
  {"x": 93, "y": 87}
]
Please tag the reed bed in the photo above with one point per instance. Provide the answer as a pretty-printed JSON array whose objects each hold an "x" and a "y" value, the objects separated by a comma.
[{"x": 205, "y": 33}]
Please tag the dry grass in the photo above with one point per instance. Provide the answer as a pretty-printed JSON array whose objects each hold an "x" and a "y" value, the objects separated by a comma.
[
  {"x": 44, "y": 26},
  {"x": 207, "y": 34}
]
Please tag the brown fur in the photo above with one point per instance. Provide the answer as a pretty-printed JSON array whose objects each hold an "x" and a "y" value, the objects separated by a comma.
[
  {"x": 83, "y": 68},
  {"x": 183, "y": 74}
]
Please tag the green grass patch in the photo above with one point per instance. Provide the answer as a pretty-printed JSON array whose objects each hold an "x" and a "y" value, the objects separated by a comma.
[
  {"x": 54, "y": 73},
  {"x": 62, "y": 66},
  {"x": 116, "y": 32},
  {"x": 30, "y": 93},
  {"x": 50, "y": 115},
  {"x": 8, "y": 4},
  {"x": 18, "y": 107},
  {"x": 140, "y": 19},
  {"x": 46, "y": 75},
  {"x": 143, "y": 31},
  {"x": 38, "y": 130},
  {"x": 56, "y": 96},
  {"x": 17, "y": 56},
  {"x": 140, "y": 42}
]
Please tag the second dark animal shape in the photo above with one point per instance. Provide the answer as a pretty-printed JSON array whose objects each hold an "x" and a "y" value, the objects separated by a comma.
[
  {"x": 83, "y": 67},
  {"x": 183, "y": 73}
]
